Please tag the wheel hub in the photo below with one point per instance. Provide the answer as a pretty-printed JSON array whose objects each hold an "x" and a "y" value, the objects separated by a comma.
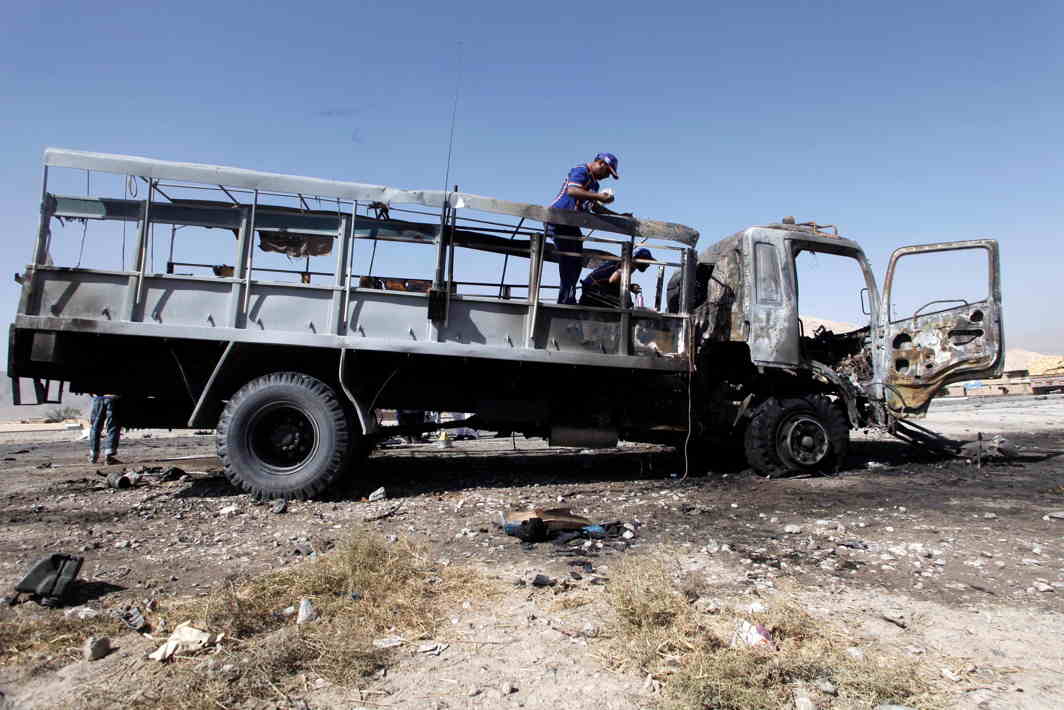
[
  {"x": 282, "y": 437},
  {"x": 805, "y": 440}
]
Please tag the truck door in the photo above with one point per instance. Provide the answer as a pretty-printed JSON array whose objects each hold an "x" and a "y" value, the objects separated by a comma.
[
  {"x": 953, "y": 337},
  {"x": 772, "y": 305}
]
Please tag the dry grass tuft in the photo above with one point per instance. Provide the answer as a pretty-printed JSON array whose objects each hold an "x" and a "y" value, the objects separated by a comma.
[
  {"x": 365, "y": 589},
  {"x": 29, "y": 633},
  {"x": 660, "y": 633}
]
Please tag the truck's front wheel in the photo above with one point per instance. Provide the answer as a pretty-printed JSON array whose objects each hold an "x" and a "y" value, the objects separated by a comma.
[
  {"x": 797, "y": 435},
  {"x": 284, "y": 435}
]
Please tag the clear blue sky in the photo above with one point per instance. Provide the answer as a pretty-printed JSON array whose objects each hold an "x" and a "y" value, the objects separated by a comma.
[{"x": 901, "y": 122}]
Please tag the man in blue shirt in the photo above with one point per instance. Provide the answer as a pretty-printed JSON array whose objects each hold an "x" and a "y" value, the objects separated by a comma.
[
  {"x": 580, "y": 192},
  {"x": 602, "y": 287}
]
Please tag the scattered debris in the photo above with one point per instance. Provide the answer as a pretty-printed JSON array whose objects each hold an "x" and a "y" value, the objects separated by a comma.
[
  {"x": 542, "y": 580},
  {"x": 753, "y": 635},
  {"x": 185, "y": 639},
  {"x": 540, "y": 524},
  {"x": 897, "y": 617},
  {"x": 81, "y": 612},
  {"x": 379, "y": 494},
  {"x": 134, "y": 619},
  {"x": 996, "y": 449},
  {"x": 389, "y": 642},
  {"x": 49, "y": 580},
  {"x": 433, "y": 648},
  {"x": 307, "y": 612},
  {"x": 96, "y": 648},
  {"x": 386, "y": 514}
]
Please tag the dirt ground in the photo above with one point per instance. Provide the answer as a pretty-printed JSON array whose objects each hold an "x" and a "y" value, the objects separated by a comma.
[{"x": 957, "y": 564}]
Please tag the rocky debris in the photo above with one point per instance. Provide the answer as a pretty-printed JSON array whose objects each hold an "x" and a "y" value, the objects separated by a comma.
[
  {"x": 1043, "y": 587},
  {"x": 96, "y": 648},
  {"x": 752, "y": 635},
  {"x": 802, "y": 701},
  {"x": 388, "y": 642},
  {"x": 507, "y": 688},
  {"x": 229, "y": 511},
  {"x": 898, "y": 617},
  {"x": 184, "y": 640},
  {"x": 542, "y": 580},
  {"x": 997, "y": 448},
  {"x": 307, "y": 613},
  {"x": 432, "y": 648},
  {"x": 825, "y": 686},
  {"x": 379, "y": 494}
]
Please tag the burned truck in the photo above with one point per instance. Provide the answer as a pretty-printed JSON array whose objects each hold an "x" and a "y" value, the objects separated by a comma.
[{"x": 305, "y": 307}]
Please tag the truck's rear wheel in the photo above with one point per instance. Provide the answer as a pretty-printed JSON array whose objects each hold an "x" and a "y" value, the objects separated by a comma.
[
  {"x": 284, "y": 435},
  {"x": 797, "y": 435}
]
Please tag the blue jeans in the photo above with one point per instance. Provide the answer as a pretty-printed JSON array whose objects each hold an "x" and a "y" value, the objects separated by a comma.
[
  {"x": 103, "y": 408},
  {"x": 569, "y": 267}
]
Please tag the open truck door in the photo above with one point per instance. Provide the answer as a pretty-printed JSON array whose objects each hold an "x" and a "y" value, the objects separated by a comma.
[{"x": 954, "y": 338}]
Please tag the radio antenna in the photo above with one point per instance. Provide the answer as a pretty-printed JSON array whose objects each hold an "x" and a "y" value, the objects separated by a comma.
[{"x": 454, "y": 114}]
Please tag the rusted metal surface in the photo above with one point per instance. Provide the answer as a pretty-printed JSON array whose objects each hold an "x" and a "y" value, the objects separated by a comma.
[{"x": 923, "y": 353}]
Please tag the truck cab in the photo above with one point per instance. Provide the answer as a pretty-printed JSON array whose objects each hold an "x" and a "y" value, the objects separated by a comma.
[{"x": 799, "y": 387}]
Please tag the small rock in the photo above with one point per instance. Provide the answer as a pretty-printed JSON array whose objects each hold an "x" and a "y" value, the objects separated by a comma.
[
  {"x": 896, "y": 617},
  {"x": 388, "y": 642},
  {"x": 507, "y": 688},
  {"x": 792, "y": 529},
  {"x": 96, "y": 648},
  {"x": 279, "y": 507},
  {"x": 825, "y": 686},
  {"x": 757, "y": 608},
  {"x": 81, "y": 612},
  {"x": 379, "y": 494},
  {"x": 307, "y": 612},
  {"x": 802, "y": 701},
  {"x": 542, "y": 580},
  {"x": 1043, "y": 587},
  {"x": 473, "y": 692},
  {"x": 229, "y": 511},
  {"x": 855, "y": 653},
  {"x": 950, "y": 675},
  {"x": 1055, "y": 515}
]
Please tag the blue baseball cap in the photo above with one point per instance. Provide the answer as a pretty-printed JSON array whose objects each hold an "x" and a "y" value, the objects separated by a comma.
[
  {"x": 643, "y": 253},
  {"x": 611, "y": 160}
]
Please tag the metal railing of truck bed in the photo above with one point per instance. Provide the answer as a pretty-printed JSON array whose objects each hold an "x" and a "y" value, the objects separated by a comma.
[{"x": 356, "y": 310}]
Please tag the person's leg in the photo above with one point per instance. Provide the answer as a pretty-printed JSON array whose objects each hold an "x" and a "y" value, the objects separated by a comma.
[
  {"x": 95, "y": 427},
  {"x": 114, "y": 428},
  {"x": 569, "y": 267}
]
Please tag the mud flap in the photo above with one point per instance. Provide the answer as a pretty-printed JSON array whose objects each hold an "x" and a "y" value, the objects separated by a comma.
[{"x": 50, "y": 579}]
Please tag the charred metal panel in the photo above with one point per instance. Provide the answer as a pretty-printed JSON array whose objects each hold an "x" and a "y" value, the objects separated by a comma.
[
  {"x": 69, "y": 293},
  {"x": 921, "y": 354},
  {"x": 771, "y": 301},
  {"x": 584, "y": 330}
]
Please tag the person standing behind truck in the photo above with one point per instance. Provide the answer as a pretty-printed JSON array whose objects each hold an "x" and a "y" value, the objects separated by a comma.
[
  {"x": 580, "y": 192},
  {"x": 104, "y": 407}
]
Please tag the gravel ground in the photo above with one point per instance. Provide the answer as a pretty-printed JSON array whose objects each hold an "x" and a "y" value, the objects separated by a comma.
[{"x": 898, "y": 528}]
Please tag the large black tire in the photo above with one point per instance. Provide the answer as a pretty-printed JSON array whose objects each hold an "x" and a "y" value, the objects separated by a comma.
[
  {"x": 797, "y": 435},
  {"x": 285, "y": 435}
]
